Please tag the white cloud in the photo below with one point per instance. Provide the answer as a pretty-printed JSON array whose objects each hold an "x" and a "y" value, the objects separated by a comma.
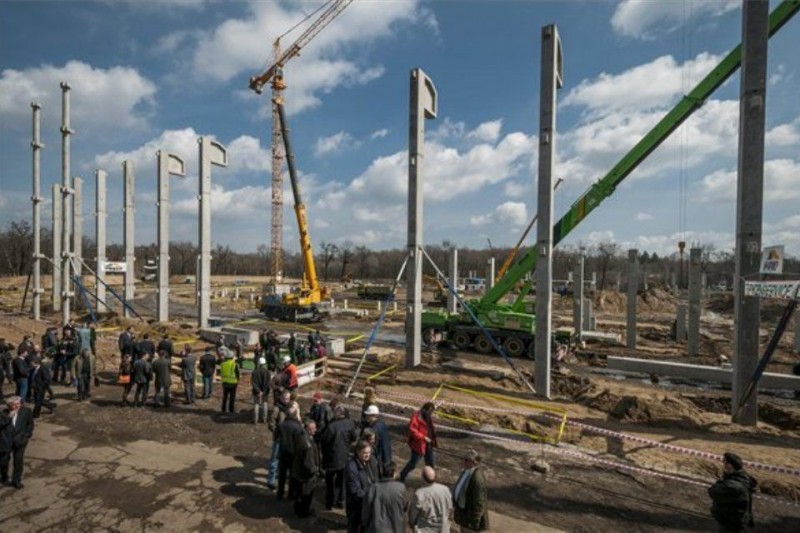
[
  {"x": 100, "y": 100},
  {"x": 513, "y": 213},
  {"x": 780, "y": 183},
  {"x": 644, "y": 19},
  {"x": 515, "y": 189},
  {"x": 784, "y": 135},
  {"x": 379, "y": 134},
  {"x": 644, "y": 216},
  {"x": 487, "y": 132},
  {"x": 245, "y": 203},
  {"x": 338, "y": 142}
]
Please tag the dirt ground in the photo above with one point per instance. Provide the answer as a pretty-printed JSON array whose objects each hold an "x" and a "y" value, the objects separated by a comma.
[{"x": 95, "y": 465}]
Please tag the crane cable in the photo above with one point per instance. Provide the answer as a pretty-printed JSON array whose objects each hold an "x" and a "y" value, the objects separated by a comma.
[{"x": 267, "y": 62}]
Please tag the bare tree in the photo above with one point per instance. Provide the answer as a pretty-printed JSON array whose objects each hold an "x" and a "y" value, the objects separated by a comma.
[
  {"x": 363, "y": 254},
  {"x": 605, "y": 251},
  {"x": 329, "y": 251},
  {"x": 345, "y": 255}
]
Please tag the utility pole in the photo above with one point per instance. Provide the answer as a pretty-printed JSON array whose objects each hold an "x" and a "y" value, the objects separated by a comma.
[
  {"x": 36, "y": 199},
  {"x": 57, "y": 219},
  {"x": 211, "y": 153},
  {"x": 129, "y": 244},
  {"x": 100, "y": 239},
  {"x": 552, "y": 75},
  {"x": 423, "y": 104},
  {"x": 77, "y": 225},
  {"x": 66, "y": 205},
  {"x": 749, "y": 204}
]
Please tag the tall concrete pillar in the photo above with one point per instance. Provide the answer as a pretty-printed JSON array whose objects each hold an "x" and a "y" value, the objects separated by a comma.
[
  {"x": 36, "y": 200},
  {"x": 211, "y": 153},
  {"x": 673, "y": 280},
  {"x": 56, "y": 276},
  {"x": 77, "y": 225},
  {"x": 490, "y": 274},
  {"x": 452, "y": 302},
  {"x": 680, "y": 323},
  {"x": 423, "y": 103},
  {"x": 552, "y": 72},
  {"x": 704, "y": 282},
  {"x": 749, "y": 204},
  {"x": 695, "y": 290},
  {"x": 166, "y": 164},
  {"x": 618, "y": 282},
  {"x": 645, "y": 278},
  {"x": 100, "y": 239},
  {"x": 577, "y": 297},
  {"x": 633, "y": 287},
  {"x": 587, "y": 315},
  {"x": 797, "y": 332},
  {"x": 66, "y": 205},
  {"x": 128, "y": 239}
]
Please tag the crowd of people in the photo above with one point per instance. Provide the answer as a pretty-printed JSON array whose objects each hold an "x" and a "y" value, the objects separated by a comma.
[{"x": 353, "y": 460}]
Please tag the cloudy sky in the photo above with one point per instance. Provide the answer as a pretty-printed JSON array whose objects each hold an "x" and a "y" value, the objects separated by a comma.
[{"x": 155, "y": 75}]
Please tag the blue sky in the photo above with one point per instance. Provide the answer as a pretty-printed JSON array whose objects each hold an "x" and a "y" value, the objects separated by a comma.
[{"x": 156, "y": 75}]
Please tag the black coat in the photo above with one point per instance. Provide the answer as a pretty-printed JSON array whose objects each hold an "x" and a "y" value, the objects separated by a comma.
[
  {"x": 358, "y": 479},
  {"x": 305, "y": 459},
  {"x": 321, "y": 414},
  {"x": 189, "y": 367},
  {"x": 161, "y": 370},
  {"x": 336, "y": 441},
  {"x": 125, "y": 343},
  {"x": 165, "y": 345},
  {"x": 19, "y": 367},
  {"x": 289, "y": 431},
  {"x": 731, "y": 499},
  {"x": 15, "y": 436},
  {"x": 260, "y": 380},
  {"x": 41, "y": 378},
  {"x": 208, "y": 364},
  {"x": 145, "y": 347},
  {"x": 142, "y": 371}
]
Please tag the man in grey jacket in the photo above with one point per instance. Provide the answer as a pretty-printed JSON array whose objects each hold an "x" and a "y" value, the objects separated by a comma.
[
  {"x": 188, "y": 373},
  {"x": 161, "y": 370},
  {"x": 385, "y": 505},
  {"x": 432, "y": 505}
]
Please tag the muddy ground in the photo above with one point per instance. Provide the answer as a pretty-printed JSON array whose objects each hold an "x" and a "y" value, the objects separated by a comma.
[{"x": 96, "y": 465}]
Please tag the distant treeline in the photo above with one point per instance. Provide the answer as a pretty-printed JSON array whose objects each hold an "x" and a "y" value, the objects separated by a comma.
[{"x": 338, "y": 261}]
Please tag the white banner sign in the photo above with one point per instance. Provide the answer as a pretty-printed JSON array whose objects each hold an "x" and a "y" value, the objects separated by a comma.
[
  {"x": 787, "y": 290},
  {"x": 114, "y": 267},
  {"x": 772, "y": 260}
]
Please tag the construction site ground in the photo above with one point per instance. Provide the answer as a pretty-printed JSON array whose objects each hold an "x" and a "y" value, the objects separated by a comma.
[{"x": 97, "y": 465}]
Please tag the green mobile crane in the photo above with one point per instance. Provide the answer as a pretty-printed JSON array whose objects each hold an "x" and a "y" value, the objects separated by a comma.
[{"x": 510, "y": 325}]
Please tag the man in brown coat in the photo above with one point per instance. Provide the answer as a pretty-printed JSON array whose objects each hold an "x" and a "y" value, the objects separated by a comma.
[{"x": 470, "y": 495}]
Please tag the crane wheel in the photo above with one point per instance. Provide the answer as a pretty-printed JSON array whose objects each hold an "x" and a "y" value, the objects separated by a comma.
[
  {"x": 483, "y": 345},
  {"x": 532, "y": 350},
  {"x": 430, "y": 337},
  {"x": 462, "y": 340},
  {"x": 514, "y": 346}
]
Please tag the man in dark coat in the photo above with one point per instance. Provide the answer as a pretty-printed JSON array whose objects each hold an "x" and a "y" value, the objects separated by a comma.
[
  {"x": 16, "y": 427},
  {"x": 142, "y": 375},
  {"x": 289, "y": 432},
  {"x": 188, "y": 373},
  {"x": 161, "y": 371},
  {"x": 732, "y": 495},
  {"x": 336, "y": 441},
  {"x": 384, "y": 442},
  {"x": 260, "y": 381},
  {"x": 320, "y": 413},
  {"x": 6, "y": 356},
  {"x": 386, "y": 504},
  {"x": 165, "y": 345},
  {"x": 470, "y": 500},
  {"x": 83, "y": 370},
  {"x": 276, "y": 416},
  {"x": 360, "y": 474},
  {"x": 26, "y": 345},
  {"x": 208, "y": 366},
  {"x": 50, "y": 342},
  {"x": 20, "y": 371},
  {"x": 40, "y": 383},
  {"x": 306, "y": 469},
  {"x": 145, "y": 346},
  {"x": 126, "y": 344}
]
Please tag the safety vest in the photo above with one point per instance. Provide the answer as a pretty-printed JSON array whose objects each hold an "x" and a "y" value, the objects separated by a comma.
[{"x": 228, "y": 371}]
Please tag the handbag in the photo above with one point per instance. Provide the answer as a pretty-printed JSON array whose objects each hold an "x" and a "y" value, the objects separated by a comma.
[{"x": 124, "y": 379}]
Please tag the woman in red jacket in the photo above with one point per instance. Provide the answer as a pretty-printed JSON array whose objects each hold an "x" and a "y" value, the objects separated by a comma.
[{"x": 421, "y": 439}]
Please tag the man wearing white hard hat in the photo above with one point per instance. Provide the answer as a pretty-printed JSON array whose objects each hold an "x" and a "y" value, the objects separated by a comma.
[
  {"x": 290, "y": 373},
  {"x": 383, "y": 446},
  {"x": 260, "y": 381}
]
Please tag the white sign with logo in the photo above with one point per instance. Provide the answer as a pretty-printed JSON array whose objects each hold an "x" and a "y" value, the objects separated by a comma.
[
  {"x": 114, "y": 267},
  {"x": 772, "y": 260},
  {"x": 786, "y": 290}
]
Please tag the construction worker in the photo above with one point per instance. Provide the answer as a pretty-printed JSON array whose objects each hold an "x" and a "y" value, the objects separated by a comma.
[
  {"x": 290, "y": 373},
  {"x": 229, "y": 370}
]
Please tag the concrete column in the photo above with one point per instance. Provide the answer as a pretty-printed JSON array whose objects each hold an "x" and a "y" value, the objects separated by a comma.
[
  {"x": 577, "y": 296},
  {"x": 594, "y": 280},
  {"x": 423, "y": 103},
  {"x": 66, "y": 205},
  {"x": 645, "y": 277},
  {"x": 56, "y": 276},
  {"x": 100, "y": 239},
  {"x": 704, "y": 282},
  {"x": 211, "y": 153},
  {"x": 129, "y": 211},
  {"x": 587, "y": 315},
  {"x": 77, "y": 224},
  {"x": 633, "y": 287},
  {"x": 673, "y": 280},
  {"x": 552, "y": 72},
  {"x": 36, "y": 200},
  {"x": 695, "y": 289},
  {"x": 166, "y": 164},
  {"x": 797, "y": 332},
  {"x": 680, "y": 323},
  {"x": 490, "y": 274},
  {"x": 452, "y": 302},
  {"x": 749, "y": 204}
]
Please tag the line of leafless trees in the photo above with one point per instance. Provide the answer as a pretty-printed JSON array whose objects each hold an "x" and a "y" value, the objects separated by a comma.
[{"x": 345, "y": 261}]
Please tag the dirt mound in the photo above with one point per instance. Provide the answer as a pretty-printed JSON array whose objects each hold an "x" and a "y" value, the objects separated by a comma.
[
  {"x": 767, "y": 413},
  {"x": 656, "y": 411},
  {"x": 653, "y": 299},
  {"x": 572, "y": 386}
]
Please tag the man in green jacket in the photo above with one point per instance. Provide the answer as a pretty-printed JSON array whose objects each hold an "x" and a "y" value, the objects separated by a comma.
[
  {"x": 470, "y": 496},
  {"x": 83, "y": 370},
  {"x": 732, "y": 496}
]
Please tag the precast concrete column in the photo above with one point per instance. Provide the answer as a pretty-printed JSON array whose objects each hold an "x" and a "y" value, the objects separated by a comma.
[
  {"x": 797, "y": 332},
  {"x": 490, "y": 274},
  {"x": 680, "y": 323},
  {"x": 36, "y": 200},
  {"x": 452, "y": 301},
  {"x": 211, "y": 153},
  {"x": 56, "y": 276},
  {"x": 749, "y": 205},
  {"x": 619, "y": 281},
  {"x": 166, "y": 164},
  {"x": 695, "y": 290},
  {"x": 633, "y": 288},
  {"x": 577, "y": 297},
  {"x": 423, "y": 103},
  {"x": 77, "y": 225},
  {"x": 587, "y": 315},
  {"x": 129, "y": 211},
  {"x": 100, "y": 239},
  {"x": 66, "y": 205},
  {"x": 552, "y": 72}
]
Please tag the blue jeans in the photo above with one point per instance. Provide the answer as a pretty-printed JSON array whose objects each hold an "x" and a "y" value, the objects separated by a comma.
[
  {"x": 272, "y": 472},
  {"x": 208, "y": 382},
  {"x": 22, "y": 388},
  {"x": 415, "y": 457}
]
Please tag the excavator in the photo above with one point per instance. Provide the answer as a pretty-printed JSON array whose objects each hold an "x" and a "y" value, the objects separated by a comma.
[
  {"x": 302, "y": 304},
  {"x": 512, "y": 326}
]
